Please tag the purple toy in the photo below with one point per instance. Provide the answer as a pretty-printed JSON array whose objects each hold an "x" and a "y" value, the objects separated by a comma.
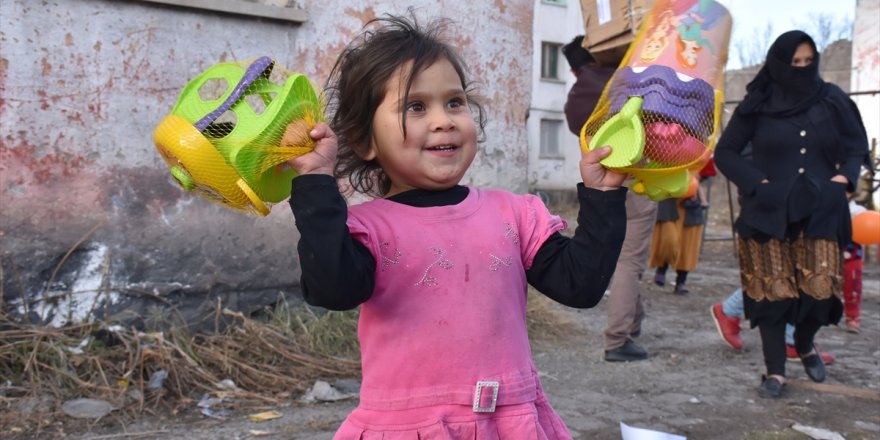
[{"x": 689, "y": 103}]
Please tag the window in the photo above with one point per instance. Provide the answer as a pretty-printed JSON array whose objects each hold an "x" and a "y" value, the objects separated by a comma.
[
  {"x": 550, "y": 60},
  {"x": 550, "y": 139},
  {"x": 554, "y": 2}
]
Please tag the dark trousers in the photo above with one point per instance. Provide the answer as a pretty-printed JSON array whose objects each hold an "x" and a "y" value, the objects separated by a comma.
[{"x": 773, "y": 342}]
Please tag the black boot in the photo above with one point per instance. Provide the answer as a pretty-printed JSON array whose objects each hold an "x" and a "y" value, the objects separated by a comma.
[
  {"x": 680, "y": 278},
  {"x": 660, "y": 276}
]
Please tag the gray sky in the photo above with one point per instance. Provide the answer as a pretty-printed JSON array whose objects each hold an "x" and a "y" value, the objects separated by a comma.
[{"x": 750, "y": 17}]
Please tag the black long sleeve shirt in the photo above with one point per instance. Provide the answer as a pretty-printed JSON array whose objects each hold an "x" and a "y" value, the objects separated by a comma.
[{"x": 338, "y": 272}]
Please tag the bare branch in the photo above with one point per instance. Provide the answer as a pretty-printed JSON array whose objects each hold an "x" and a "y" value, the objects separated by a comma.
[{"x": 826, "y": 28}]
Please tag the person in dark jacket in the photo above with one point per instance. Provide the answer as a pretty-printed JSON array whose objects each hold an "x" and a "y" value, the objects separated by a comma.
[
  {"x": 625, "y": 311},
  {"x": 808, "y": 146},
  {"x": 591, "y": 80}
]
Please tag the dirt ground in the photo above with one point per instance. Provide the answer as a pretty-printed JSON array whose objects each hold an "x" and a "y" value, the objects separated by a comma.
[{"x": 693, "y": 385}]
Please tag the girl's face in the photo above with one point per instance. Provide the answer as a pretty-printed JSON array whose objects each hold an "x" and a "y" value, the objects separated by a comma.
[
  {"x": 441, "y": 136},
  {"x": 803, "y": 55}
]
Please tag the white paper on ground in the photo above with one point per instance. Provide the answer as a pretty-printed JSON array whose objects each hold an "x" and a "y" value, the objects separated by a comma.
[
  {"x": 817, "y": 433},
  {"x": 630, "y": 433}
]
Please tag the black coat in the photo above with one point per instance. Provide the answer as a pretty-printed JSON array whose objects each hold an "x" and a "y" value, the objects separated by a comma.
[{"x": 798, "y": 155}]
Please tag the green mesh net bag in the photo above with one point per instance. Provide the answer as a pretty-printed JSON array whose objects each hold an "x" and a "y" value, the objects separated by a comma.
[{"x": 231, "y": 128}]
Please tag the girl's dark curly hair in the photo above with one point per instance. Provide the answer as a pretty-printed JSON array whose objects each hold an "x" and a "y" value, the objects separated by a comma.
[{"x": 358, "y": 83}]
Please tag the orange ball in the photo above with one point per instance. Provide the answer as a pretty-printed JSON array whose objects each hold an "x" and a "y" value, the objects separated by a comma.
[
  {"x": 692, "y": 188},
  {"x": 866, "y": 228}
]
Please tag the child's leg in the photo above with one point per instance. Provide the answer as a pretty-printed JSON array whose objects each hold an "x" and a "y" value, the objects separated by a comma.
[
  {"x": 852, "y": 288},
  {"x": 732, "y": 307}
]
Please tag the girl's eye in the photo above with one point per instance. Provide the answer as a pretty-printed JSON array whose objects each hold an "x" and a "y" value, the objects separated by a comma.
[
  {"x": 456, "y": 103},
  {"x": 415, "y": 107}
]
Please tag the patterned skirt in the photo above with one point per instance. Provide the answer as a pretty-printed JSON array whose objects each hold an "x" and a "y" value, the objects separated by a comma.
[{"x": 791, "y": 279}]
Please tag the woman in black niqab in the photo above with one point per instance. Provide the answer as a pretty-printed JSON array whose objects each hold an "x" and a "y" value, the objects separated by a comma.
[
  {"x": 781, "y": 89},
  {"x": 808, "y": 145}
]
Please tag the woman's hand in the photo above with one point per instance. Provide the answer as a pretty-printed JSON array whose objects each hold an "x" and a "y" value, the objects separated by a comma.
[
  {"x": 321, "y": 160},
  {"x": 840, "y": 178},
  {"x": 595, "y": 175}
]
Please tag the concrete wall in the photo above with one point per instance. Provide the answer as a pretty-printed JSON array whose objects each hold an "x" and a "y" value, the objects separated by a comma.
[{"x": 91, "y": 223}]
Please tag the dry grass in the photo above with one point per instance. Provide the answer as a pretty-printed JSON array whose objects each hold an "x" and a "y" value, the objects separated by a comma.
[
  {"x": 267, "y": 362},
  {"x": 270, "y": 360},
  {"x": 548, "y": 321}
]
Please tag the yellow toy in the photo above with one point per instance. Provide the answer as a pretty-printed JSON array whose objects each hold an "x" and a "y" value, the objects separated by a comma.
[
  {"x": 661, "y": 111},
  {"x": 232, "y": 126}
]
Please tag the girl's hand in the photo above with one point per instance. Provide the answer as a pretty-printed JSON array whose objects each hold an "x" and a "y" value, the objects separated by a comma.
[
  {"x": 321, "y": 160},
  {"x": 595, "y": 175}
]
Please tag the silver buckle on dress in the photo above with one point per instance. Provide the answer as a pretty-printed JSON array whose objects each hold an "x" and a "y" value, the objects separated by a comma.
[{"x": 479, "y": 391}]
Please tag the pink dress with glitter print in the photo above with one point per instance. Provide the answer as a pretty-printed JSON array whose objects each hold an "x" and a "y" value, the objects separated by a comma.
[{"x": 445, "y": 327}]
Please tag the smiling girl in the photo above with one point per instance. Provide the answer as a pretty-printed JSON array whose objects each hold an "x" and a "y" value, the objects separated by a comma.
[{"x": 438, "y": 269}]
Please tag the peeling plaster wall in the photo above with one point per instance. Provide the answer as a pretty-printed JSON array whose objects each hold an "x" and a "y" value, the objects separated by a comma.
[{"x": 90, "y": 222}]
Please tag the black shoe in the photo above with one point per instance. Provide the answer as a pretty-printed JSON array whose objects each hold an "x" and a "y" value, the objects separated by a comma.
[
  {"x": 627, "y": 352},
  {"x": 680, "y": 289},
  {"x": 660, "y": 278},
  {"x": 814, "y": 366},
  {"x": 771, "y": 388}
]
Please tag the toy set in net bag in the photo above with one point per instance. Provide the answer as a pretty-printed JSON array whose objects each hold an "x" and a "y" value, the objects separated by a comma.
[
  {"x": 661, "y": 111},
  {"x": 232, "y": 126}
]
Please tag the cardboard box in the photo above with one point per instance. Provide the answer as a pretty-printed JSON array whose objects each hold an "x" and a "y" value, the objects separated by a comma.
[{"x": 611, "y": 25}]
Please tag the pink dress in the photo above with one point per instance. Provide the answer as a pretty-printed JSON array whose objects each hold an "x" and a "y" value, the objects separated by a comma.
[{"x": 445, "y": 350}]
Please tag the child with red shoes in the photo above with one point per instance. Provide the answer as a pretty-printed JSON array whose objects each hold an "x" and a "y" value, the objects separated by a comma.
[
  {"x": 852, "y": 278},
  {"x": 852, "y": 287},
  {"x": 726, "y": 316}
]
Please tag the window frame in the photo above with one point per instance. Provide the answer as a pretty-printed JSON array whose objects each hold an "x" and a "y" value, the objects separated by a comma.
[
  {"x": 543, "y": 133},
  {"x": 545, "y": 63}
]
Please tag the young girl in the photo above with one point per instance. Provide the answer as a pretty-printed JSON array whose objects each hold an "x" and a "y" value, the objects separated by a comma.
[{"x": 438, "y": 269}]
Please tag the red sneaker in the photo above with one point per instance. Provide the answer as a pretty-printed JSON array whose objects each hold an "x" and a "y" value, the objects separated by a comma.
[
  {"x": 727, "y": 327},
  {"x": 791, "y": 354},
  {"x": 853, "y": 325}
]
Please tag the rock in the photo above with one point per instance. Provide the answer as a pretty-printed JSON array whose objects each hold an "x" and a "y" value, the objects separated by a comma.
[
  {"x": 87, "y": 408},
  {"x": 323, "y": 392}
]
